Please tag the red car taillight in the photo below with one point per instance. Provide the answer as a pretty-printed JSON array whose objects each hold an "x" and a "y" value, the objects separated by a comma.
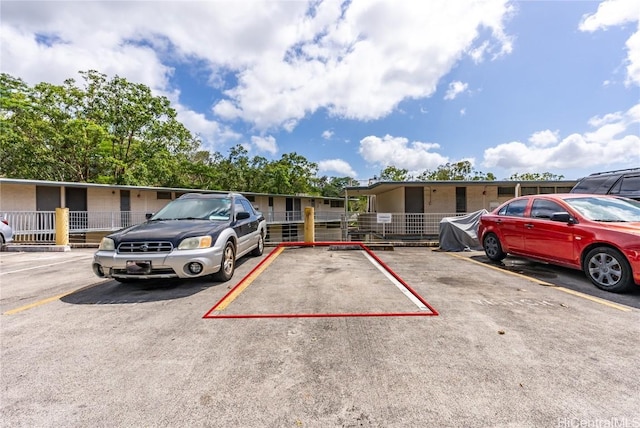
[{"x": 5, "y": 221}]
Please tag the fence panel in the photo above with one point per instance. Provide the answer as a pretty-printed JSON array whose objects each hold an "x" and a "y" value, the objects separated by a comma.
[
  {"x": 33, "y": 227},
  {"x": 86, "y": 227}
]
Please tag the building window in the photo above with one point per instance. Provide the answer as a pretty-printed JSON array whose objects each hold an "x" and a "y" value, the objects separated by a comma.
[
  {"x": 506, "y": 191},
  {"x": 163, "y": 195},
  {"x": 461, "y": 199},
  {"x": 547, "y": 190},
  {"x": 529, "y": 191},
  {"x": 563, "y": 189},
  {"x": 250, "y": 198},
  {"x": 337, "y": 204}
]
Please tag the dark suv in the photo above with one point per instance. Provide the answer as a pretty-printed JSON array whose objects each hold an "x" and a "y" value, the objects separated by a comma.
[
  {"x": 192, "y": 236},
  {"x": 623, "y": 182}
]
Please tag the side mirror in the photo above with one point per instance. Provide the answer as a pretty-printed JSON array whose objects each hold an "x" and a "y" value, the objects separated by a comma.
[
  {"x": 563, "y": 217},
  {"x": 242, "y": 215},
  {"x": 148, "y": 215}
]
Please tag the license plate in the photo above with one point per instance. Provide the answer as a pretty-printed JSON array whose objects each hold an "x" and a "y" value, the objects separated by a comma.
[{"x": 138, "y": 267}]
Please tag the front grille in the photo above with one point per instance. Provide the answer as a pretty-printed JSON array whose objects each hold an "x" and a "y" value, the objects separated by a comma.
[
  {"x": 157, "y": 272},
  {"x": 145, "y": 247}
]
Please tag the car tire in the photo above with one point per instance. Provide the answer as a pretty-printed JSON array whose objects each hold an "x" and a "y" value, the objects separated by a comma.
[
  {"x": 257, "y": 252},
  {"x": 608, "y": 270},
  {"x": 228, "y": 263},
  {"x": 493, "y": 248}
]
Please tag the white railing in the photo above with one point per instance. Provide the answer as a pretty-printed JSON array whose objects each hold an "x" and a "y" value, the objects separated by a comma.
[
  {"x": 88, "y": 227},
  {"x": 32, "y": 226},
  {"x": 98, "y": 221},
  {"x": 402, "y": 224}
]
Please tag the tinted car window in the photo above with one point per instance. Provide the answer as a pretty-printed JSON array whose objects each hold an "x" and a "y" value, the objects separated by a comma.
[
  {"x": 247, "y": 206},
  {"x": 543, "y": 208},
  {"x": 514, "y": 209},
  {"x": 599, "y": 184},
  {"x": 627, "y": 186}
]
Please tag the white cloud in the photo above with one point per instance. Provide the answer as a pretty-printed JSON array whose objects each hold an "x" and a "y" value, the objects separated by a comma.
[
  {"x": 398, "y": 152},
  {"x": 544, "y": 138},
  {"x": 455, "y": 89},
  {"x": 614, "y": 13},
  {"x": 327, "y": 134},
  {"x": 211, "y": 133},
  {"x": 265, "y": 144},
  {"x": 615, "y": 141},
  {"x": 337, "y": 165},
  {"x": 355, "y": 59}
]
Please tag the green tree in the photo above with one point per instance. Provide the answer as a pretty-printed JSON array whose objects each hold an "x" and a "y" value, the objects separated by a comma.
[
  {"x": 462, "y": 170},
  {"x": 331, "y": 186},
  {"x": 535, "y": 176},
  {"x": 145, "y": 138},
  {"x": 290, "y": 175},
  {"x": 107, "y": 131},
  {"x": 392, "y": 173}
]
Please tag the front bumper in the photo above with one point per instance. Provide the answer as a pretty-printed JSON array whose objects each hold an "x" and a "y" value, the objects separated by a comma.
[{"x": 175, "y": 264}]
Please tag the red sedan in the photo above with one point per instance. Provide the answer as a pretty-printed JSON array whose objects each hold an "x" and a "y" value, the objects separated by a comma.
[{"x": 598, "y": 234}]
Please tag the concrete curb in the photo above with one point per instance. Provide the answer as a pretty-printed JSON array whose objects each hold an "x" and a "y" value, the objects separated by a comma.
[{"x": 35, "y": 248}]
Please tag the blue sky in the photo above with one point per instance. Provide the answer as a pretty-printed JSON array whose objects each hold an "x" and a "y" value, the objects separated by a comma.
[{"x": 355, "y": 86}]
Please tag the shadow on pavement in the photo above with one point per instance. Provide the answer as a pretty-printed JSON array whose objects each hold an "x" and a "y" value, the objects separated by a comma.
[{"x": 113, "y": 292}]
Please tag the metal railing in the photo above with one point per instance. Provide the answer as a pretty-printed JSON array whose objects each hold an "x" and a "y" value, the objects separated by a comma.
[{"x": 38, "y": 227}]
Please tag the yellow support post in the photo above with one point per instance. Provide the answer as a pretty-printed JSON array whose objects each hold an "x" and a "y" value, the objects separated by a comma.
[
  {"x": 309, "y": 225},
  {"x": 62, "y": 226}
]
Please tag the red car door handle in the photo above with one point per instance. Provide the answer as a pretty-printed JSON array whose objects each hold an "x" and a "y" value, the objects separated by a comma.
[{"x": 528, "y": 226}]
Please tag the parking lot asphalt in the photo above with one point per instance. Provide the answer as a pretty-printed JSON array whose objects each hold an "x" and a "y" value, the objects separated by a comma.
[{"x": 322, "y": 338}]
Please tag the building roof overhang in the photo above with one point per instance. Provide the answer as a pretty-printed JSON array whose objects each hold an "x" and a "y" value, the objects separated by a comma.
[{"x": 380, "y": 187}]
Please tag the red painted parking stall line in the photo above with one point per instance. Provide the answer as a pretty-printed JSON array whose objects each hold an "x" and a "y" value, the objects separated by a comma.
[{"x": 216, "y": 311}]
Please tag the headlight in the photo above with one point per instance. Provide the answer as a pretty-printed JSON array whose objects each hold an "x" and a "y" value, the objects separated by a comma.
[
  {"x": 107, "y": 244},
  {"x": 195, "y": 242}
]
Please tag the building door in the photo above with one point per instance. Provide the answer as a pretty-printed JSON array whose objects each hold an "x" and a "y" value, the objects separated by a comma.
[
  {"x": 414, "y": 210},
  {"x": 293, "y": 206},
  {"x": 461, "y": 199},
  {"x": 125, "y": 208},
  {"x": 47, "y": 199},
  {"x": 76, "y": 201},
  {"x": 293, "y": 215}
]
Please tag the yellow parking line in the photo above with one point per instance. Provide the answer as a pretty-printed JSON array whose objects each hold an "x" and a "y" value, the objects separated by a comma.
[
  {"x": 548, "y": 284},
  {"x": 38, "y": 303},
  {"x": 47, "y": 300},
  {"x": 594, "y": 299},
  {"x": 248, "y": 280}
]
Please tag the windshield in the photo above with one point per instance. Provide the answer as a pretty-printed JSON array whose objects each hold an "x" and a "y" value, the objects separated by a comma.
[
  {"x": 606, "y": 209},
  {"x": 195, "y": 209}
]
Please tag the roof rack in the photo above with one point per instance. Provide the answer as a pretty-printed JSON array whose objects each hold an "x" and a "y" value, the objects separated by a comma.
[{"x": 615, "y": 171}]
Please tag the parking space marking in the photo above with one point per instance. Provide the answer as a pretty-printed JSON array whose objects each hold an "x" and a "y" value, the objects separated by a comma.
[
  {"x": 548, "y": 284},
  {"x": 594, "y": 299},
  {"x": 36, "y": 304},
  {"x": 38, "y": 267},
  {"x": 215, "y": 312},
  {"x": 397, "y": 283},
  {"x": 47, "y": 300},
  {"x": 244, "y": 283}
]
